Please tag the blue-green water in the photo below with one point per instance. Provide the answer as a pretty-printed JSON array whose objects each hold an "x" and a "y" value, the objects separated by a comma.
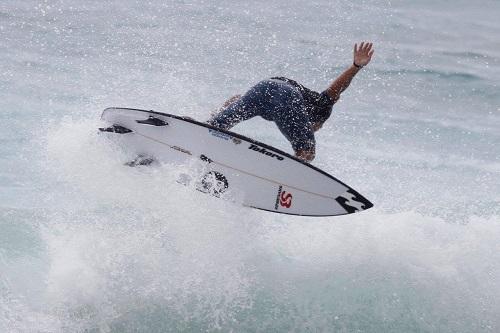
[{"x": 87, "y": 245}]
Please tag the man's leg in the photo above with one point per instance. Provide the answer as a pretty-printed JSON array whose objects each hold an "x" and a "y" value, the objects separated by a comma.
[
  {"x": 294, "y": 124},
  {"x": 249, "y": 105},
  {"x": 233, "y": 114}
]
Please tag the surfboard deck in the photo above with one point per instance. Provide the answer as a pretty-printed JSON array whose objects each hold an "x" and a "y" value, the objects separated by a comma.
[{"x": 232, "y": 166}]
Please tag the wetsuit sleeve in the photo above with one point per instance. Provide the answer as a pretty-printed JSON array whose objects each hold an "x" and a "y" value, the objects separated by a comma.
[{"x": 325, "y": 100}]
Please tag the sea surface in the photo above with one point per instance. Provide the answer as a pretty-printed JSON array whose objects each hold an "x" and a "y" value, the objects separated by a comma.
[{"x": 89, "y": 245}]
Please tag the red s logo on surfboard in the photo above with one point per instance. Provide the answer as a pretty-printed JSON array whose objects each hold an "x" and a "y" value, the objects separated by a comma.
[{"x": 285, "y": 199}]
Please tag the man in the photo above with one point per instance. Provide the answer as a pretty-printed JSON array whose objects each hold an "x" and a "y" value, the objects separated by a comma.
[{"x": 297, "y": 111}]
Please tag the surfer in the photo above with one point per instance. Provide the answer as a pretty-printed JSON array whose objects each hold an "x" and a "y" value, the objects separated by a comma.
[{"x": 297, "y": 111}]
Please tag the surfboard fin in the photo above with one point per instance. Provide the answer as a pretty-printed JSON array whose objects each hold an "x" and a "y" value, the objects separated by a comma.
[
  {"x": 115, "y": 129},
  {"x": 153, "y": 121}
]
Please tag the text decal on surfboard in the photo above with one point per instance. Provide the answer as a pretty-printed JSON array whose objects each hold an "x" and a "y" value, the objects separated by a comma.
[{"x": 265, "y": 152}]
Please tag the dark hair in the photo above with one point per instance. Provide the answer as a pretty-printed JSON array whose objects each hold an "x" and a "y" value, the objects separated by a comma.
[{"x": 319, "y": 114}]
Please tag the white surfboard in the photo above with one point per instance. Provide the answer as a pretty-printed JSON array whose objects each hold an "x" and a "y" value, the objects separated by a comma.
[{"x": 234, "y": 166}]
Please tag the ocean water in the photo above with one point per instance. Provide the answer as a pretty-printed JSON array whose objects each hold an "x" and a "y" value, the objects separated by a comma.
[{"x": 88, "y": 245}]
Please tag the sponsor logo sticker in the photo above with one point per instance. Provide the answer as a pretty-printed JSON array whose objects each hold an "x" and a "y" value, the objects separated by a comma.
[
  {"x": 205, "y": 159},
  {"x": 182, "y": 150},
  {"x": 214, "y": 183},
  {"x": 266, "y": 152},
  {"x": 224, "y": 136},
  {"x": 283, "y": 199},
  {"x": 219, "y": 135},
  {"x": 353, "y": 202}
]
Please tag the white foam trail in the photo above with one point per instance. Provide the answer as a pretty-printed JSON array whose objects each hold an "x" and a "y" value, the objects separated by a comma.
[{"x": 126, "y": 241}]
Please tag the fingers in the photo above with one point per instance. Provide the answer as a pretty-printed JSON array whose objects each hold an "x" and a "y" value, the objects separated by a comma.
[{"x": 364, "y": 47}]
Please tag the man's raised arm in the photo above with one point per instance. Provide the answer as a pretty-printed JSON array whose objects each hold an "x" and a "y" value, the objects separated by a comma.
[{"x": 362, "y": 57}]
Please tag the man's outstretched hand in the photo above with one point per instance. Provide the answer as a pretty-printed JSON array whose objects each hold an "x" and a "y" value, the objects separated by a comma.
[{"x": 363, "y": 54}]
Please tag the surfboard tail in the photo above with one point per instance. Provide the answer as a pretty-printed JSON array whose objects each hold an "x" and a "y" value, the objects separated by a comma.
[{"x": 353, "y": 202}]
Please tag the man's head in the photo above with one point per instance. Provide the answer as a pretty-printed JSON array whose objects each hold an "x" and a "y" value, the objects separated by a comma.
[{"x": 317, "y": 117}]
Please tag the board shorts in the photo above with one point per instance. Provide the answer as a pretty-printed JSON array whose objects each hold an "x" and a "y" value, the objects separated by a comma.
[{"x": 274, "y": 100}]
